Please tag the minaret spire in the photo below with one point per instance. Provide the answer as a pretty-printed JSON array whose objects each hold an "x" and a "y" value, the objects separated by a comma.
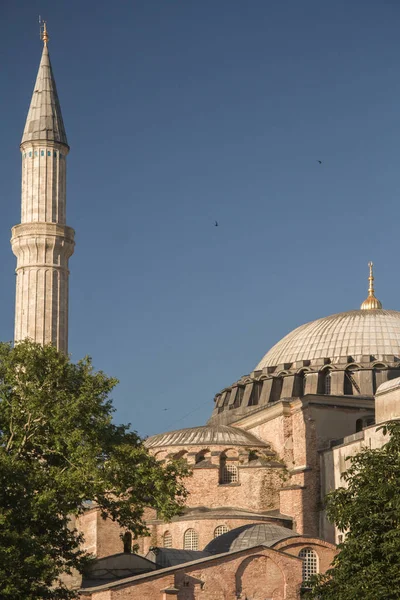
[
  {"x": 45, "y": 35},
  {"x": 43, "y": 242},
  {"x": 371, "y": 302}
]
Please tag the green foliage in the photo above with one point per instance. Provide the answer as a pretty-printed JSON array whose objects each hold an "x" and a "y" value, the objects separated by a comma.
[
  {"x": 59, "y": 448},
  {"x": 368, "y": 564}
]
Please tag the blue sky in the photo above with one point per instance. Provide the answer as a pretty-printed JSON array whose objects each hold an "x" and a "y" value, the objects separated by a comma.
[{"x": 182, "y": 112}]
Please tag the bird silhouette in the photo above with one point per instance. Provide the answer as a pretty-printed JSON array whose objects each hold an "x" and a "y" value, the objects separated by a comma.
[
  {"x": 320, "y": 162},
  {"x": 216, "y": 224}
]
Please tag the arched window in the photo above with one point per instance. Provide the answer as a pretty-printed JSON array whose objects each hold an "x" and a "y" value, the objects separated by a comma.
[
  {"x": 359, "y": 425},
  {"x": 127, "y": 541},
  {"x": 167, "y": 540},
  {"x": 304, "y": 382},
  {"x": 255, "y": 393},
  {"x": 310, "y": 563},
  {"x": 220, "y": 530},
  {"x": 190, "y": 540},
  {"x": 238, "y": 397},
  {"x": 327, "y": 382},
  {"x": 229, "y": 473},
  {"x": 202, "y": 456}
]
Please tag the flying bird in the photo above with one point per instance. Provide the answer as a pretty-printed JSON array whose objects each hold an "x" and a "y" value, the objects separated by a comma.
[
  {"x": 216, "y": 224},
  {"x": 320, "y": 162}
]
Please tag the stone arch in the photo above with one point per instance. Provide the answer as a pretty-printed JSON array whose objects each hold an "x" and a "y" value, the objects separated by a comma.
[
  {"x": 230, "y": 453},
  {"x": 180, "y": 454},
  {"x": 160, "y": 455},
  {"x": 259, "y": 577},
  {"x": 202, "y": 455}
]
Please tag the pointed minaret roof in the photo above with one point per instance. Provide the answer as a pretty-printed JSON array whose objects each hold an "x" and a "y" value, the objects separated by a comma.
[{"x": 44, "y": 120}]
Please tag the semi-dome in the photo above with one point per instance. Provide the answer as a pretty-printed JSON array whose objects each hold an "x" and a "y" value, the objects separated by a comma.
[
  {"x": 373, "y": 332},
  {"x": 207, "y": 435},
  {"x": 248, "y": 536}
]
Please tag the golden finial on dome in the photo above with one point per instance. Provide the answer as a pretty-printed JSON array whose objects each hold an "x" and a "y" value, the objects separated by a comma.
[{"x": 371, "y": 303}]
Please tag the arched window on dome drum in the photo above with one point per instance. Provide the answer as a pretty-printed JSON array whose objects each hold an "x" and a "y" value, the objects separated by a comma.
[
  {"x": 224, "y": 402},
  {"x": 304, "y": 382},
  {"x": 350, "y": 384},
  {"x": 190, "y": 540},
  {"x": 327, "y": 382},
  {"x": 239, "y": 397},
  {"x": 310, "y": 563},
  {"x": 220, "y": 530},
  {"x": 167, "y": 540},
  {"x": 202, "y": 456},
  {"x": 255, "y": 393},
  {"x": 228, "y": 473},
  {"x": 359, "y": 425},
  {"x": 276, "y": 389}
]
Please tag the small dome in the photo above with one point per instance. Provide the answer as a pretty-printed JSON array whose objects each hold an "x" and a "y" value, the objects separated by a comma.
[
  {"x": 207, "y": 435},
  {"x": 248, "y": 536},
  {"x": 355, "y": 333}
]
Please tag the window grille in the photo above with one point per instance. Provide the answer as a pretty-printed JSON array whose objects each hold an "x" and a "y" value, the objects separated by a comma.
[
  {"x": 167, "y": 540},
  {"x": 229, "y": 474},
  {"x": 190, "y": 540},
  {"x": 327, "y": 383},
  {"x": 310, "y": 563},
  {"x": 220, "y": 530}
]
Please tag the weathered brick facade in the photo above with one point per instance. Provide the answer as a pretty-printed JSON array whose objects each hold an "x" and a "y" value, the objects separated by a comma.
[{"x": 256, "y": 573}]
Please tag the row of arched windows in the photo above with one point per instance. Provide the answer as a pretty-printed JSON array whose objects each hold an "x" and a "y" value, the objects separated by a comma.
[
  {"x": 348, "y": 386},
  {"x": 191, "y": 537}
]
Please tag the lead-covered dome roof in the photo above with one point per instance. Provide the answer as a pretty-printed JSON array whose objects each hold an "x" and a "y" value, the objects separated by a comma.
[
  {"x": 247, "y": 536},
  {"x": 206, "y": 435},
  {"x": 373, "y": 332}
]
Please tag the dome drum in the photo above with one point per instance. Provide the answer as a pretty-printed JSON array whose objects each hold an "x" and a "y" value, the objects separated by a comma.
[{"x": 347, "y": 378}]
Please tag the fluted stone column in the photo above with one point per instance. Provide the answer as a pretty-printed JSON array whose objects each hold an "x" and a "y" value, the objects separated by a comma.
[{"x": 43, "y": 242}]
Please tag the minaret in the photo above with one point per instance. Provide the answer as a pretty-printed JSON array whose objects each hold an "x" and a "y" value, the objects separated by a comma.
[{"x": 42, "y": 242}]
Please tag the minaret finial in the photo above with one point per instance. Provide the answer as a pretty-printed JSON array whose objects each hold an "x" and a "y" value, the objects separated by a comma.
[
  {"x": 44, "y": 33},
  {"x": 371, "y": 302}
]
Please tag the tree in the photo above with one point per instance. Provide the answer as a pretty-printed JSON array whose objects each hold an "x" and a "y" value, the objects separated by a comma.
[
  {"x": 368, "y": 509},
  {"x": 59, "y": 448}
]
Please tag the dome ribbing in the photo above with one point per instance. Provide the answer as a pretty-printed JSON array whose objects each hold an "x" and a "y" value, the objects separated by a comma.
[{"x": 371, "y": 332}]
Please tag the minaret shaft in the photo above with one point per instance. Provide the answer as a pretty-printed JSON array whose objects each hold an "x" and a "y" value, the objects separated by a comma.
[{"x": 43, "y": 243}]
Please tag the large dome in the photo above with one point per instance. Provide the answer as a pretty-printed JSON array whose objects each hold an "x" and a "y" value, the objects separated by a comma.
[{"x": 356, "y": 333}]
